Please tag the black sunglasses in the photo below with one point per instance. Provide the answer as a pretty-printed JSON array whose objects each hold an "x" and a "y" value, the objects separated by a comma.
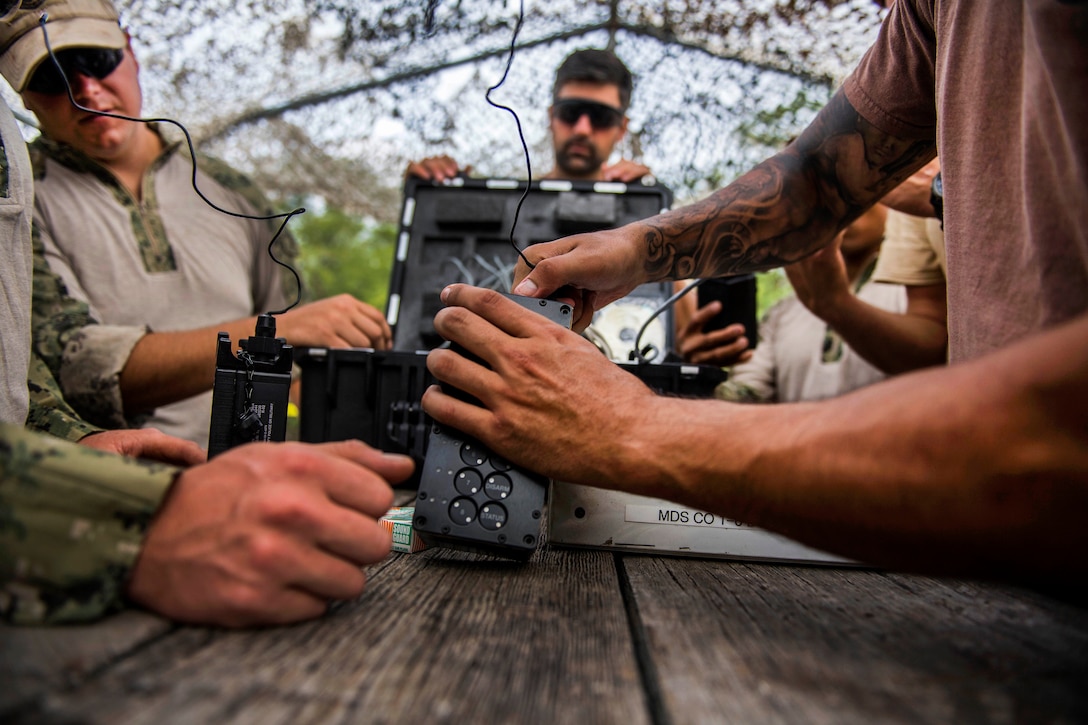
[
  {"x": 94, "y": 62},
  {"x": 601, "y": 116}
]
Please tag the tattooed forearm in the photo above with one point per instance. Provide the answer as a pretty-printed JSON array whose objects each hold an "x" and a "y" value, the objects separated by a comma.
[{"x": 790, "y": 205}]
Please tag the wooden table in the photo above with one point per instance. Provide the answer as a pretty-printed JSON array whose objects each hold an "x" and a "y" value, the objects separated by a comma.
[{"x": 579, "y": 636}]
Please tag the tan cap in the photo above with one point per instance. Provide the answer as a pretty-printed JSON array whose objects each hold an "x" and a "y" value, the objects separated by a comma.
[{"x": 70, "y": 24}]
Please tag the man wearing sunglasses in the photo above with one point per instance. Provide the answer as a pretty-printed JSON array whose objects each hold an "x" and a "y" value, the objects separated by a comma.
[
  {"x": 160, "y": 270},
  {"x": 587, "y": 118}
]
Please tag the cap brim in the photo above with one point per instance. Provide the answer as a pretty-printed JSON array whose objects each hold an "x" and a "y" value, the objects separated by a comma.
[{"x": 26, "y": 54}]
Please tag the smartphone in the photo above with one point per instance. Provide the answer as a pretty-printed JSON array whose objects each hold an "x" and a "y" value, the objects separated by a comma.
[{"x": 738, "y": 297}]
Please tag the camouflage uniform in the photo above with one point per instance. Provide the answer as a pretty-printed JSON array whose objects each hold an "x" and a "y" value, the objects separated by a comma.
[
  {"x": 49, "y": 412},
  {"x": 72, "y": 521},
  {"x": 167, "y": 262}
]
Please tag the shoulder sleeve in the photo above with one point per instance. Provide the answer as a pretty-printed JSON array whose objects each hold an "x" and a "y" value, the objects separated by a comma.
[
  {"x": 72, "y": 521},
  {"x": 907, "y": 255},
  {"x": 49, "y": 413},
  {"x": 894, "y": 85}
]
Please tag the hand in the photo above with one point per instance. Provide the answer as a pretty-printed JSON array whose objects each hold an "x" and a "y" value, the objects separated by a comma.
[
  {"x": 820, "y": 280},
  {"x": 340, "y": 321},
  {"x": 625, "y": 171},
  {"x": 591, "y": 270},
  {"x": 267, "y": 533},
  {"x": 147, "y": 443},
  {"x": 548, "y": 390},
  {"x": 436, "y": 168},
  {"x": 912, "y": 196},
  {"x": 724, "y": 347}
]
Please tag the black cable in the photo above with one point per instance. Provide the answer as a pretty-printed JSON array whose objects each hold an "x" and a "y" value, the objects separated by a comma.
[
  {"x": 286, "y": 216},
  {"x": 521, "y": 135},
  {"x": 637, "y": 352}
]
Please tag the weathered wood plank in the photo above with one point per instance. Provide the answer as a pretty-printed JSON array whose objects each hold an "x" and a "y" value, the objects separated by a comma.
[
  {"x": 35, "y": 660},
  {"x": 733, "y": 642},
  {"x": 438, "y": 636}
]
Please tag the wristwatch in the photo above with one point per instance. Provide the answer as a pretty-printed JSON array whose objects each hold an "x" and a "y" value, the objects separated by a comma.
[{"x": 936, "y": 197}]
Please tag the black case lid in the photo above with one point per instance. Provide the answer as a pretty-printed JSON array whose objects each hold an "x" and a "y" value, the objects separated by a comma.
[{"x": 460, "y": 232}]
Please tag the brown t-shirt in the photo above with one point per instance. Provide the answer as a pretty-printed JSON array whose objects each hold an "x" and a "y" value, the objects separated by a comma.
[{"x": 1008, "y": 82}]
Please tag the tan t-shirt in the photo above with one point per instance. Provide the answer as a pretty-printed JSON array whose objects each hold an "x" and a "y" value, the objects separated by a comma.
[
  {"x": 913, "y": 251},
  {"x": 1007, "y": 81},
  {"x": 168, "y": 263}
]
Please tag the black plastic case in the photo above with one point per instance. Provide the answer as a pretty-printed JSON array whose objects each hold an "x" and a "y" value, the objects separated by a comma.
[{"x": 460, "y": 232}]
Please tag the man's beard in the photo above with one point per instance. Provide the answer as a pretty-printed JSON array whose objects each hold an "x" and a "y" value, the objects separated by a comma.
[{"x": 580, "y": 164}]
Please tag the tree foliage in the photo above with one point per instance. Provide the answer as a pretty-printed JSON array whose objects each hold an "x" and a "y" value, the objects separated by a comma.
[{"x": 340, "y": 253}]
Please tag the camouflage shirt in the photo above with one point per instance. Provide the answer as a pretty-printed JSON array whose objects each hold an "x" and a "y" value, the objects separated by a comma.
[
  {"x": 49, "y": 412},
  {"x": 72, "y": 521}
]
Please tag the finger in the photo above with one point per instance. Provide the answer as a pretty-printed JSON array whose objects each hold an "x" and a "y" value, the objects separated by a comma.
[
  {"x": 465, "y": 417},
  {"x": 346, "y": 471},
  {"x": 177, "y": 451},
  {"x": 585, "y": 307},
  {"x": 612, "y": 173},
  {"x": 461, "y": 373},
  {"x": 369, "y": 329},
  {"x": 418, "y": 170},
  {"x": 442, "y": 167},
  {"x": 493, "y": 315},
  {"x": 322, "y": 574},
  {"x": 727, "y": 334},
  {"x": 721, "y": 355},
  {"x": 701, "y": 316},
  {"x": 366, "y": 463},
  {"x": 353, "y": 537},
  {"x": 545, "y": 277}
]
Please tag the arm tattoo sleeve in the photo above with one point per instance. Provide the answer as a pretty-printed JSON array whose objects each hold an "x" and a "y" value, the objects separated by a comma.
[{"x": 788, "y": 206}]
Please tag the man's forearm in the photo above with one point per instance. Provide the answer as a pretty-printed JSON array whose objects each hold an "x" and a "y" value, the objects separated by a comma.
[
  {"x": 788, "y": 206},
  {"x": 890, "y": 341},
  {"x": 980, "y": 468},
  {"x": 75, "y": 522},
  {"x": 165, "y": 367}
]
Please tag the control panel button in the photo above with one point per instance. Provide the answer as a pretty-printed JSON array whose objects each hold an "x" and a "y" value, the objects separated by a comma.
[
  {"x": 492, "y": 516},
  {"x": 497, "y": 486},
  {"x": 468, "y": 481},
  {"x": 462, "y": 511},
  {"x": 473, "y": 454},
  {"x": 499, "y": 463}
]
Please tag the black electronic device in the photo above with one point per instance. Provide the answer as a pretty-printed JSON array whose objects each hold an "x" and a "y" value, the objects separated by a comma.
[
  {"x": 251, "y": 390},
  {"x": 469, "y": 498},
  {"x": 680, "y": 380},
  {"x": 374, "y": 396},
  {"x": 738, "y": 297},
  {"x": 368, "y": 395},
  {"x": 460, "y": 232}
]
